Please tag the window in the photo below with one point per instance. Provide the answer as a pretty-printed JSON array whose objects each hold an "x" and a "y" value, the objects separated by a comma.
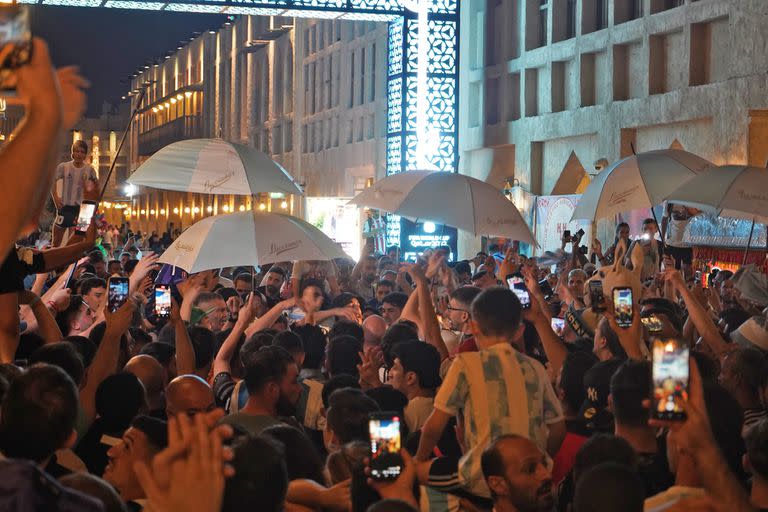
[
  {"x": 288, "y": 134},
  {"x": 601, "y": 14},
  {"x": 362, "y": 77},
  {"x": 543, "y": 7},
  {"x": 373, "y": 73},
  {"x": 352, "y": 81},
  {"x": 570, "y": 23}
]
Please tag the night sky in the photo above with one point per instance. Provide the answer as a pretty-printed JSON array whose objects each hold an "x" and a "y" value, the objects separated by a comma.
[{"x": 110, "y": 44}]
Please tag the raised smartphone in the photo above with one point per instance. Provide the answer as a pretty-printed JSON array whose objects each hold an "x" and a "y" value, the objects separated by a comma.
[
  {"x": 384, "y": 431},
  {"x": 117, "y": 293},
  {"x": 162, "y": 300},
  {"x": 87, "y": 209},
  {"x": 517, "y": 285},
  {"x": 622, "y": 306},
  {"x": 670, "y": 379},
  {"x": 596, "y": 297}
]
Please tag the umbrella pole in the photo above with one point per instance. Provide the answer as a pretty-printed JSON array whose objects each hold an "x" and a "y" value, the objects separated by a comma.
[
  {"x": 749, "y": 242},
  {"x": 658, "y": 228},
  {"x": 142, "y": 93}
]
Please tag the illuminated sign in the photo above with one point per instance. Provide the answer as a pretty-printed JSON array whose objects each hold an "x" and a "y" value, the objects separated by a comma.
[{"x": 416, "y": 237}]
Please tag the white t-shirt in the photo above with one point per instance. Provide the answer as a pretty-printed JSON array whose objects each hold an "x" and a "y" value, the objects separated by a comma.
[
  {"x": 676, "y": 224},
  {"x": 417, "y": 411},
  {"x": 73, "y": 181}
]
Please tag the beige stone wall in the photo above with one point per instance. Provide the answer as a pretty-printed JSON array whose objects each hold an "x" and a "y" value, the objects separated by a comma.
[{"x": 694, "y": 73}]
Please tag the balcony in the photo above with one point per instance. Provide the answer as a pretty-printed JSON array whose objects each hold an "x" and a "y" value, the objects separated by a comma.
[{"x": 181, "y": 128}]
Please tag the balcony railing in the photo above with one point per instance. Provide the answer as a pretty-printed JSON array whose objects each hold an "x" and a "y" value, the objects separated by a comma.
[{"x": 185, "y": 127}]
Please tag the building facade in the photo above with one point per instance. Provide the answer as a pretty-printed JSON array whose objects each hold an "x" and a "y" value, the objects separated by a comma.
[
  {"x": 553, "y": 90},
  {"x": 309, "y": 93}
]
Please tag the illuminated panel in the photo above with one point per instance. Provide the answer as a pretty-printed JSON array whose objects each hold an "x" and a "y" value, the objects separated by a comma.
[
  {"x": 326, "y": 4},
  {"x": 369, "y": 17},
  {"x": 73, "y": 3},
  {"x": 252, "y": 11},
  {"x": 378, "y": 5},
  {"x": 214, "y": 9},
  {"x": 128, "y": 4},
  {"x": 320, "y": 15}
]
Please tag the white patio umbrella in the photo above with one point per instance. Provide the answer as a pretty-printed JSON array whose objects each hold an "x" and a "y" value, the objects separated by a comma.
[
  {"x": 248, "y": 238},
  {"x": 638, "y": 181},
  {"x": 447, "y": 198},
  {"x": 729, "y": 191},
  {"x": 213, "y": 166}
]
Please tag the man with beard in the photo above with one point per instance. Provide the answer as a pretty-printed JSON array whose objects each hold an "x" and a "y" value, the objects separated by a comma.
[
  {"x": 272, "y": 283},
  {"x": 517, "y": 474},
  {"x": 458, "y": 315},
  {"x": 271, "y": 378},
  {"x": 366, "y": 269}
]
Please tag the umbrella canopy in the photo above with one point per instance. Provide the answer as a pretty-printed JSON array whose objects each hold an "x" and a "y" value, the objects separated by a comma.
[
  {"x": 730, "y": 191},
  {"x": 213, "y": 166},
  {"x": 447, "y": 198},
  {"x": 638, "y": 181},
  {"x": 248, "y": 238}
]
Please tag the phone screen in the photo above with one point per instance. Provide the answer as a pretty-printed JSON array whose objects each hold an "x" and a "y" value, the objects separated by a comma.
[
  {"x": 517, "y": 285},
  {"x": 596, "y": 297},
  {"x": 546, "y": 288},
  {"x": 162, "y": 300},
  {"x": 670, "y": 379},
  {"x": 653, "y": 323},
  {"x": 622, "y": 305},
  {"x": 558, "y": 324},
  {"x": 384, "y": 430},
  {"x": 118, "y": 292},
  {"x": 87, "y": 209}
]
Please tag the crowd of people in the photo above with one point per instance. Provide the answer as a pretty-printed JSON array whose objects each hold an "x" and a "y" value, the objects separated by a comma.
[{"x": 518, "y": 387}]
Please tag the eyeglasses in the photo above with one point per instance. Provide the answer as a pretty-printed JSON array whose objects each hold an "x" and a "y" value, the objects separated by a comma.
[{"x": 450, "y": 308}]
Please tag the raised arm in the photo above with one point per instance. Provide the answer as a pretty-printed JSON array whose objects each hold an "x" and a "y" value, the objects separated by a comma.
[
  {"x": 185, "y": 352},
  {"x": 60, "y": 256},
  {"x": 268, "y": 319},
  {"x": 46, "y": 323},
  {"x": 107, "y": 355},
  {"x": 221, "y": 363},
  {"x": 27, "y": 151},
  {"x": 697, "y": 314},
  {"x": 427, "y": 315}
]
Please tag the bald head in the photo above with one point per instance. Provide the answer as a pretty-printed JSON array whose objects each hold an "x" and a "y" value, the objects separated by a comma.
[
  {"x": 373, "y": 329},
  {"x": 149, "y": 372},
  {"x": 188, "y": 394}
]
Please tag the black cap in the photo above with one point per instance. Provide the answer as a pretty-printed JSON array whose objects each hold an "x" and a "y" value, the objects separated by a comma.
[
  {"x": 597, "y": 382},
  {"x": 156, "y": 430}
]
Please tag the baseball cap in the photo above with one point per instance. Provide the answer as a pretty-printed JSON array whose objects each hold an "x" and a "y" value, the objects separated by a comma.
[{"x": 597, "y": 381}]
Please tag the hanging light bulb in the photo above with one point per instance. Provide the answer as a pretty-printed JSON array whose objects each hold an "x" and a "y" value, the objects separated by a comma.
[
  {"x": 196, "y": 210},
  {"x": 176, "y": 211},
  {"x": 225, "y": 208},
  {"x": 186, "y": 209},
  {"x": 152, "y": 212},
  {"x": 162, "y": 212},
  {"x": 284, "y": 205},
  {"x": 143, "y": 212},
  {"x": 209, "y": 209},
  {"x": 262, "y": 206},
  {"x": 242, "y": 208}
]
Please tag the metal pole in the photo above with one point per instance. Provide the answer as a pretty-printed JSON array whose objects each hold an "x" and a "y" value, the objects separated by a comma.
[
  {"x": 142, "y": 93},
  {"x": 749, "y": 242}
]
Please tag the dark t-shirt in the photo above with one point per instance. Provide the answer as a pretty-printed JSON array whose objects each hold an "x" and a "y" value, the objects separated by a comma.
[
  {"x": 653, "y": 469},
  {"x": 19, "y": 263},
  {"x": 223, "y": 385}
]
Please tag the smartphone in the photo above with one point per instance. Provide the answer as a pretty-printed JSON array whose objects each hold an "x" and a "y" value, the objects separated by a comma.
[
  {"x": 558, "y": 324},
  {"x": 580, "y": 233},
  {"x": 670, "y": 379},
  {"x": 87, "y": 209},
  {"x": 384, "y": 431},
  {"x": 546, "y": 288},
  {"x": 14, "y": 30},
  {"x": 622, "y": 306},
  {"x": 653, "y": 323},
  {"x": 118, "y": 293},
  {"x": 596, "y": 297},
  {"x": 70, "y": 278},
  {"x": 567, "y": 234},
  {"x": 162, "y": 300},
  {"x": 697, "y": 276},
  {"x": 517, "y": 285}
]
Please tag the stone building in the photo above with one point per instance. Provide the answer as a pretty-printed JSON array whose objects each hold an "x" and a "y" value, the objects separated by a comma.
[
  {"x": 553, "y": 90},
  {"x": 309, "y": 93}
]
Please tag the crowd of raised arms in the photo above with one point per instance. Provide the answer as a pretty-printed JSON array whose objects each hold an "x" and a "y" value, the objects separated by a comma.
[{"x": 499, "y": 383}]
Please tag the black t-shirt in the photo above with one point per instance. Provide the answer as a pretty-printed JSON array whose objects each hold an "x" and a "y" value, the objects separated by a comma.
[
  {"x": 653, "y": 469},
  {"x": 19, "y": 263}
]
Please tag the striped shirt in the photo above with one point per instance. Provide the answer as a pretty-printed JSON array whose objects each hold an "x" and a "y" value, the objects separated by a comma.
[{"x": 499, "y": 391}]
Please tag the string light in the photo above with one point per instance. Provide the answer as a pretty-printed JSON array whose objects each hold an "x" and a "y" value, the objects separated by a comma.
[
  {"x": 162, "y": 212},
  {"x": 160, "y": 107},
  {"x": 173, "y": 101},
  {"x": 188, "y": 94},
  {"x": 242, "y": 208},
  {"x": 262, "y": 206},
  {"x": 151, "y": 212},
  {"x": 225, "y": 208},
  {"x": 176, "y": 211},
  {"x": 284, "y": 205},
  {"x": 179, "y": 97},
  {"x": 209, "y": 209},
  {"x": 154, "y": 109},
  {"x": 196, "y": 210},
  {"x": 143, "y": 212},
  {"x": 186, "y": 209}
]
